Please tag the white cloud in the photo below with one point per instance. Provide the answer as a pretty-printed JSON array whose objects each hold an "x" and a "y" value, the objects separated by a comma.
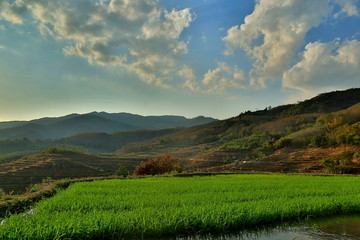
[
  {"x": 276, "y": 30},
  {"x": 273, "y": 32},
  {"x": 137, "y": 34},
  {"x": 223, "y": 77},
  {"x": 215, "y": 81},
  {"x": 348, "y": 8},
  {"x": 187, "y": 73},
  {"x": 170, "y": 28},
  {"x": 12, "y": 11},
  {"x": 325, "y": 66}
]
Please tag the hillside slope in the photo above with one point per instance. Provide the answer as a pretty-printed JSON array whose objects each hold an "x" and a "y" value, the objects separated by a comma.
[
  {"x": 298, "y": 148},
  {"x": 258, "y": 135},
  {"x": 252, "y": 126},
  {"x": 19, "y": 174},
  {"x": 104, "y": 142}
]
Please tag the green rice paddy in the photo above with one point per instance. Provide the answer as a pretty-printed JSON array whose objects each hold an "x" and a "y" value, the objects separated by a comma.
[{"x": 169, "y": 206}]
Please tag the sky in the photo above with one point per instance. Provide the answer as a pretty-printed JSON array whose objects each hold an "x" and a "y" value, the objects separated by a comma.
[{"x": 215, "y": 58}]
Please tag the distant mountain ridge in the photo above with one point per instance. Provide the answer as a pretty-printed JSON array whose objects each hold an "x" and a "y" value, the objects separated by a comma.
[{"x": 59, "y": 127}]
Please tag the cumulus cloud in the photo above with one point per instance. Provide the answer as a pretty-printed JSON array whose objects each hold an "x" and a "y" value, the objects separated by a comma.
[
  {"x": 276, "y": 30},
  {"x": 324, "y": 66},
  {"x": 12, "y": 11},
  {"x": 348, "y": 8},
  {"x": 273, "y": 32},
  {"x": 187, "y": 73},
  {"x": 223, "y": 77},
  {"x": 216, "y": 81},
  {"x": 137, "y": 34}
]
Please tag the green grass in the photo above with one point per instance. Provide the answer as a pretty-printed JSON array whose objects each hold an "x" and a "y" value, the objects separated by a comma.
[{"x": 153, "y": 207}]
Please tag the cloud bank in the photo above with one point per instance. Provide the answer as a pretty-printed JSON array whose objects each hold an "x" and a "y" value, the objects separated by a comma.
[
  {"x": 325, "y": 64},
  {"x": 145, "y": 38},
  {"x": 275, "y": 32},
  {"x": 137, "y": 34}
]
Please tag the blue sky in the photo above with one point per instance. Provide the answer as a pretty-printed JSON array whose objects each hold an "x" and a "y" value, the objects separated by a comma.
[{"x": 215, "y": 58}]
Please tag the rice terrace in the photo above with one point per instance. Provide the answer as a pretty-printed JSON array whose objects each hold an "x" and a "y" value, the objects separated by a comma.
[
  {"x": 180, "y": 120},
  {"x": 170, "y": 206}
]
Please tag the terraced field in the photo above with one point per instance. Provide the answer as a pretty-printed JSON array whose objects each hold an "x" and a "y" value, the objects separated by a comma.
[
  {"x": 285, "y": 160},
  {"x": 17, "y": 175}
]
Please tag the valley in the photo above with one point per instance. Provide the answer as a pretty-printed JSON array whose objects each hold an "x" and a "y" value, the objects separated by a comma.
[
  {"x": 179, "y": 120},
  {"x": 285, "y": 139}
]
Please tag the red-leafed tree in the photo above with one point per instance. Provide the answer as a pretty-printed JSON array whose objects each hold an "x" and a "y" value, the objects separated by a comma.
[{"x": 159, "y": 165}]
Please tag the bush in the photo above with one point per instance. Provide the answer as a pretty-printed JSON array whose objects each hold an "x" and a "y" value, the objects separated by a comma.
[
  {"x": 159, "y": 165},
  {"x": 63, "y": 151},
  {"x": 282, "y": 142},
  {"x": 318, "y": 141},
  {"x": 328, "y": 163},
  {"x": 122, "y": 171}
]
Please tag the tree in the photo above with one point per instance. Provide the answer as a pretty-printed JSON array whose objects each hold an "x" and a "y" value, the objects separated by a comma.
[
  {"x": 159, "y": 165},
  {"x": 122, "y": 171}
]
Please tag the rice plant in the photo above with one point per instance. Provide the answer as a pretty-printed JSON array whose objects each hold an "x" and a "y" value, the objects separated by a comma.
[{"x": 170, "y": 206}]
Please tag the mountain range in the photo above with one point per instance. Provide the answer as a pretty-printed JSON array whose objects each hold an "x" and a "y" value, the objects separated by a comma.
[{"x": 73, "y": 124}]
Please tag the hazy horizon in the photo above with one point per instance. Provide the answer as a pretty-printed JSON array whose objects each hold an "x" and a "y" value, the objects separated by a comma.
[
  {"x": 151, "y": 115},
  {"x": 215, "y": 58}
]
